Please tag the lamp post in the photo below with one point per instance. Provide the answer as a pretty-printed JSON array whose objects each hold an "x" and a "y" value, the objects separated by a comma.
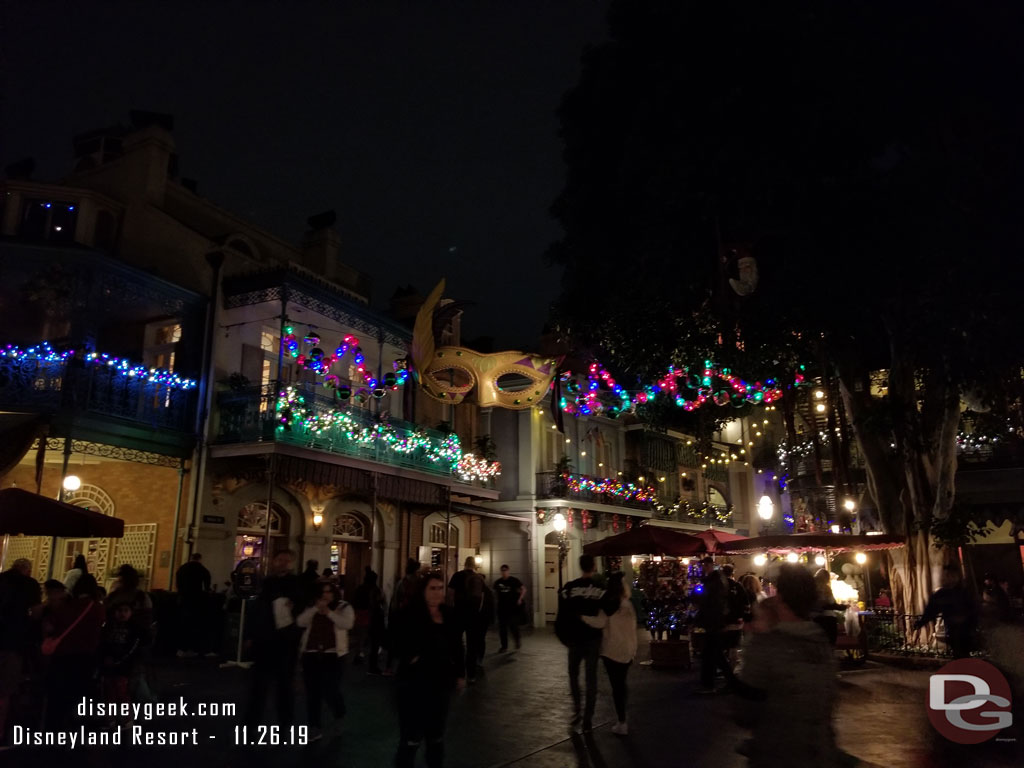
[{"x": 563, "y": 547}]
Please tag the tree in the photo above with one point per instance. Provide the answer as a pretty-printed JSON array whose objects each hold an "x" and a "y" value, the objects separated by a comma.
[{"x": 870, "y": 157}]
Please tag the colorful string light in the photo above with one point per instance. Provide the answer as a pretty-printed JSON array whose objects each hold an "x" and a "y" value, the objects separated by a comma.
[
  {"x": 320, "y": 363},
  {"x": 292, "y": 412},
  {"x": 688, "y": 388},
  {"x": 609, "y": 487},
  {"x": 44, "y": 353}
]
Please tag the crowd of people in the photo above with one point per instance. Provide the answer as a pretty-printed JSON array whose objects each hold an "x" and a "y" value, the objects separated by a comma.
[{"x": 74, "y": 640}]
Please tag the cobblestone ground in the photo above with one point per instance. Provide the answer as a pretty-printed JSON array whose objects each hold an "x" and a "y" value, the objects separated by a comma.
[{"x": 517, "y": 714}]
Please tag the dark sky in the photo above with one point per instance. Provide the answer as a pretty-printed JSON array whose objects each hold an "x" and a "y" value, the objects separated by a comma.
[{"x": 428, "y": 125}]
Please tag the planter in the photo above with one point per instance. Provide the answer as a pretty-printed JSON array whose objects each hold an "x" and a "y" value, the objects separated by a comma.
[{"x": 670, "y": 653}]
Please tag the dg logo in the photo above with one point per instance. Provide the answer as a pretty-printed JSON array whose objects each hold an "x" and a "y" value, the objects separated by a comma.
[{"x": 969, "y": 701}]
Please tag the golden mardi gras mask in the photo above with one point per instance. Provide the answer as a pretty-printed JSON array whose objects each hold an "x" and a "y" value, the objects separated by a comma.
[{"x": 510, "y": 379}]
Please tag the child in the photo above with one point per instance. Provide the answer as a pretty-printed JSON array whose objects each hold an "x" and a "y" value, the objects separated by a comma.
[{"x": 119, "y": 647}]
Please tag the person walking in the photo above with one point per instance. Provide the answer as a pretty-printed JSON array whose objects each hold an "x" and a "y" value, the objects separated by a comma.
[
  {"x": 712, "y": 616},
  {"x": 618, "y": 644},
  {"x": 275, "y": 640},
  {"x": 73, "y": 640},
  {"x": 954, "y": 603},
  {"x": 119, "y": 648},
  {"x": 510, "y": 592},
  {"x": 324, "y": 646},
  {"x": 789, "y": 679},
  {"x": 582, "y": 597},
  {"x": 466, "y": 593},
  {"x": 431, "y": 665},
  {"x": 193, "y": 581},
  {"x": 128, "y": 590},
  {"x": 78, "y": 569},
  {"x": 368, "y": 603},
  {"x": 20, "y": 596}
]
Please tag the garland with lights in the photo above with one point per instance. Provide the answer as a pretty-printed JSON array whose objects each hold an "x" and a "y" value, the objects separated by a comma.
[
  {"x": 704, "y": 511},
  {"x": 320, "y": 363},
  {"x": 688, "y": 388},
  {"x": 292, "y": 411},
  {"x": 44, "y": 353},
  {"x": 608, "y": 486}
]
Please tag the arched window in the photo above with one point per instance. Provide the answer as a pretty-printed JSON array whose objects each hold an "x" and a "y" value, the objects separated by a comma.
[
  {"x": 253, "y": 517},
  {"x": 91, "y": 497},
  {"x": 349, "y": 526}
]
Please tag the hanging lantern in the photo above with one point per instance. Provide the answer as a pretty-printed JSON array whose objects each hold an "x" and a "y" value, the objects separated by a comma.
[
  {"x": 629, "y": 523},
  {"x": 615, "y": 522}
]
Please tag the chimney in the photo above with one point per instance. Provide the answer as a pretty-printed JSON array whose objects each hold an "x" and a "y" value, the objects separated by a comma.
[{"x": 321, "y": 245}]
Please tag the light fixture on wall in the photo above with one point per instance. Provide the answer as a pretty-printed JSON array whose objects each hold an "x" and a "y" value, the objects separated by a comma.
[
  {"x": 318, "y": 516},
  {"x": 72, "y": 483},
  {"x": 765, "y": 508}
]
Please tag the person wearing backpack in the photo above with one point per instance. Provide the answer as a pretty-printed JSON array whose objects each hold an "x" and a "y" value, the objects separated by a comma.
[{"x": 582, "y": 597}]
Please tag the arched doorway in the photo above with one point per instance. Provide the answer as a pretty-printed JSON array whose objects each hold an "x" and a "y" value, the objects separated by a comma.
[
  {"x": 251, "y": 533},
  {"x": 350, "y": 550},
  {"x": 97, "y": 551}
]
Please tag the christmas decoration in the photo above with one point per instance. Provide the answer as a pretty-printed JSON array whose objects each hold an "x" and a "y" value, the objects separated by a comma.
[
  {"x": 608, "y": 486},
  {"x": 44, "y": 353},
  {"x": 293, "y": 413},
  {"x": 689, "y": 389},
  {"x": 320, "y": 363}
]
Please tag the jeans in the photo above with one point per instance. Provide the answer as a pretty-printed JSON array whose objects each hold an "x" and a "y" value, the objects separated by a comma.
[
  {"x": 275, "y": 667},
  {"x": 617, "y": 677},
  {"x": 422, "y": 713},
  {"x": 321, "y": 675},
  {"x": 507, "y": 621},
  {"x": 587, "y": 654}
]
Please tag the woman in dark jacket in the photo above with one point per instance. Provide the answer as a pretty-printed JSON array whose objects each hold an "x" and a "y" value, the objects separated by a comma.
[{"x": 430, "y": 663}]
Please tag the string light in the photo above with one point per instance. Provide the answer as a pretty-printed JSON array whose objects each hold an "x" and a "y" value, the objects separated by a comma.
[{"x": 44, "y": 353}]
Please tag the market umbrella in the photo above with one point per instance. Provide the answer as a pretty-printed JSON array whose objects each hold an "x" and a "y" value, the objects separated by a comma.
[
  {"x": 813, "y": 542},
  {"x": 22, "y": 512},
  {"x": 647, "y": 540},
  {"x": 719, "y": 541}
]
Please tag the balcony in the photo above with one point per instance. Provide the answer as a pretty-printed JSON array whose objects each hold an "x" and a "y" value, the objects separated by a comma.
[
  {"x": 40, "y": 384},
  {"x": 309, "y": 419},
  {"x": 573, "y": 487}
]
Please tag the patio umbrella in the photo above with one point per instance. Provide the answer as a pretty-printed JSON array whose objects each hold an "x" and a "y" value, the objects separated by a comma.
[
  {"x": 647, "y": 540},
  {"x": 814, "y": 542},
  {"x": 22, "y": 512},
  {"x": 719, "y": 541}
]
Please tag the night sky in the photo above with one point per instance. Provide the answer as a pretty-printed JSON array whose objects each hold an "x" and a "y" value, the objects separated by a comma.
[{"x": 428, "y": 126}]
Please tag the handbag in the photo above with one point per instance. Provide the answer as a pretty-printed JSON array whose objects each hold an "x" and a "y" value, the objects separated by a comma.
[{"x": 50, "y": 643}]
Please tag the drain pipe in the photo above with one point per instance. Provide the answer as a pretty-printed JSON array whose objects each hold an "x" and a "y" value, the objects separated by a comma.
[{"x": 216, "y": 261}]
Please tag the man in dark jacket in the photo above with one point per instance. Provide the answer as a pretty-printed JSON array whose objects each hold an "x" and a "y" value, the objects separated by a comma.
[
  {"x": 193, "y": 580},
  {"x": 467, "y": 595},
  {"x": 276, "y": 640},
  {"x": 582, "y": 597},
  {"x": 712, "y": 617},
  {"x": 956, "y": 606},
  {"x": 19, "y": 596}
]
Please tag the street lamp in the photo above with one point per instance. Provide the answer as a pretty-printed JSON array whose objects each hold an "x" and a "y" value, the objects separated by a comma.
[
  {"x": 563, "y": 546},
  {"x": 766, "y": 510}
]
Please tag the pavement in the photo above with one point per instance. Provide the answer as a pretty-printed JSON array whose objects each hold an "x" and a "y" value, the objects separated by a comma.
[{"x": 516, "y": 716}]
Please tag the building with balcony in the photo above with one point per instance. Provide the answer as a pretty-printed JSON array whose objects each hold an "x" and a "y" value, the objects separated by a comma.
[{"x": 260, "y": 449}]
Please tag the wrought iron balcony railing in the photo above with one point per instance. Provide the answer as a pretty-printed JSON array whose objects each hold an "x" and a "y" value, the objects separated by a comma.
[
  {"x": 558, "y": 485},
  {"x": 39, "y": 384},
  {"x": 299, "y": 415}
]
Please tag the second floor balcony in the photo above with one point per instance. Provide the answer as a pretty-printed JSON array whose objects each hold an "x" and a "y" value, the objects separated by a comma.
[
  {"x": 299, "y": 415},
  {"x": 41, "y": 380},
  {"x": 596, "y": 490}
]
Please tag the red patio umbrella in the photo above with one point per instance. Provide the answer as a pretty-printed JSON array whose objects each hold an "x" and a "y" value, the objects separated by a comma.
[
  {"x": 647, "y": 540},
  {"x": 717, "y": 541},
  {"x": 814, "y": 542},
  {"x": 22, "y": 512}
]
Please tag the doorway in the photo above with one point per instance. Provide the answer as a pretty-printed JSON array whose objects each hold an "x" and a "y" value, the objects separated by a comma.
[
  {"x": 550, "y": 581},
  {"x": 251, "y": 534}
]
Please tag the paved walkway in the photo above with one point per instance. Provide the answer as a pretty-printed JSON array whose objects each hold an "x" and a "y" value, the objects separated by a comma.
[{"x": 516, "y": 715}]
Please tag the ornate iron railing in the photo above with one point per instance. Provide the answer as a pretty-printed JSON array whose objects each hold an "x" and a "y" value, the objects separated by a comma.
[
  {"x": 251, "y": 414},
  {"x": 553, "y": 485},
  {"x": 894, "y": 633},
  {"x": 40, "y": 385}
]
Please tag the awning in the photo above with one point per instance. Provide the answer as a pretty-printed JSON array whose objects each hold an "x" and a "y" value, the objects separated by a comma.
[
  {"x": 472, "y": 509},
  {"x": 647, "y": 540},
  {"x": 30, "y": 514},
  {"x": 813, "y": 542},
  {"x": 17, "y": 433}
]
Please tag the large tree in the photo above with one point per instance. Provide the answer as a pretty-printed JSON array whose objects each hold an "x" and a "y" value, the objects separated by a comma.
[{"x": 870, "y": 157}]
